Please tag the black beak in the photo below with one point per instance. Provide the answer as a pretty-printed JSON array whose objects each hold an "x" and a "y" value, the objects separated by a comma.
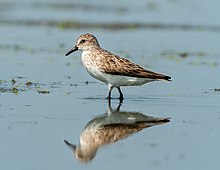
[
  {"x": 75, "y": 48},
  {"x": 70, "y": 145}
]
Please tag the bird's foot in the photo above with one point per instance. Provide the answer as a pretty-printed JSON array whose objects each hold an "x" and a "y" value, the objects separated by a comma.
[
  {"x": 108, "y": 98},
  {"x": 121, "y": 99}
]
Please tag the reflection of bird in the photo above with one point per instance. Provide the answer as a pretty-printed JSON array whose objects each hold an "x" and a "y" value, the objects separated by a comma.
[
  {"x": 109, "y": 128},
  {"x": 110, "y": 68}
]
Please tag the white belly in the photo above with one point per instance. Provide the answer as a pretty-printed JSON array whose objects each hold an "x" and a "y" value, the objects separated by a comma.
[{"x": 117, "y": 80}]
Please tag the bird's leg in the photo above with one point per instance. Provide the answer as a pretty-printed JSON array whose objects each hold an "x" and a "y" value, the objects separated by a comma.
[
  {"x": 110, "y": 87},
  {"x": 109, "y": 107},
  {"x": 121, "y": 95},
  {"x": 119, "y": 105}
]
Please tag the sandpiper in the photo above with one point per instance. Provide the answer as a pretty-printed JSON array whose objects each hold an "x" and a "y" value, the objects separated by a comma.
[
  {"x": 110, "y": 68},
  {"x": 113, "y": 126}
]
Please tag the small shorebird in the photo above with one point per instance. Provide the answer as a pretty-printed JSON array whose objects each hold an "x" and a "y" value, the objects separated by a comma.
[
  {"x": 110, "y": 68},
  {"x": 113, "y": 126}
]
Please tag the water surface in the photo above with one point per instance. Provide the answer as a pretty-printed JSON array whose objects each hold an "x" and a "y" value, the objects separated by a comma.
[{"x": 46, "y": 98}]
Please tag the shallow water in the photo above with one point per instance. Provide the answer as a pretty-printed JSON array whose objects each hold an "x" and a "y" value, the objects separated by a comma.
[{"x": 46, "y": 98}]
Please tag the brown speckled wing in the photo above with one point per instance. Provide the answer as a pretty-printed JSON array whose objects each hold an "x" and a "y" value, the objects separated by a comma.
[{"x": 120, "y": 66}]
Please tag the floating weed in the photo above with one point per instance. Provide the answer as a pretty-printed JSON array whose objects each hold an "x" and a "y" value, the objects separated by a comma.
[
  {"x": 2, "y": 81},
  {"x": 87, "y": 82},
  {"x": 203, "y": 63},
  {"x": 14, "y": 90},
  {"x": 174, "y": 58},
  {"x": 17, "y": 48},
  {"x": 19, "y": 77},
  {"x": 9, "y": 90},
  {"x": 13, "y": 82},
  {"x": 75, "y": 85},
  {"x": 43, "y": 91},
  {"x": 187, "y": 54},
  {"x": 9, "y": 86},
  {"x": 3, "y": 90},
  {"x": 196, "y": 63},
  {"x": 68, "y": 77},
  {"x": 214, "y": 64},
  {"x": 28, "y": 84},
  {"x": 180, "y": 55},
  {"x": 183, "y": 54},
  {"x": 67, "y": 93},
  {"x": 217, "y": 90},
  {"x": 17, "y": 85},
  {"x": 27, "y": 122}
]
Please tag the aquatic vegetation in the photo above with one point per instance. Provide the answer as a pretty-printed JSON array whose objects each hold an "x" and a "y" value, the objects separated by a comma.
[
  {"x": 217, "y": 89},
  {"x": 29, "y": 84},
  {"x": 20, "y": 84},
  {"x": 43, "y": 91}
]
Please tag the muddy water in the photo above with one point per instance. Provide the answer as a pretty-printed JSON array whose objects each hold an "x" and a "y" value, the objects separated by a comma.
[{"x": 46, "y": 98}]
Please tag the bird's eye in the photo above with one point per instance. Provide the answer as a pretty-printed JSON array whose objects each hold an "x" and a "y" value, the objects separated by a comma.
[{"x": 82, "y": 41}]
